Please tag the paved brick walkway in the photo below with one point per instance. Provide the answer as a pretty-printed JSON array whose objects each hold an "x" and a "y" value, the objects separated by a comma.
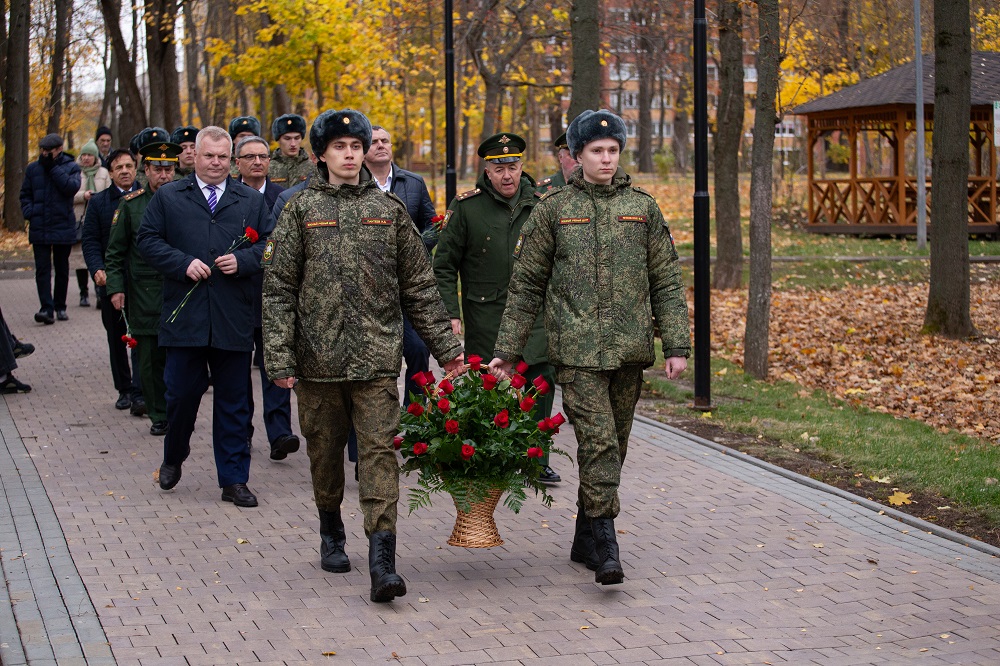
[{"x": 726, "y": 562}]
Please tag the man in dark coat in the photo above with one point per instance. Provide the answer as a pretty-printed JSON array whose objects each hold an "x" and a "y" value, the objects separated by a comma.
[
  {"x": 205, "y": 234},
  {"x": 50, "y": 183},
  {"x": 252, "y": 160},
  {"x": 96, "y": 232}
]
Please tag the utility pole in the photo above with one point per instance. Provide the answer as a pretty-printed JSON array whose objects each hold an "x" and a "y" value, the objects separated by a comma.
[{"x": 702, "y": 263}]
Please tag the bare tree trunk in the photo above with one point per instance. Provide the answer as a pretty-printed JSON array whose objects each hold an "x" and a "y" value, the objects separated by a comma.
[
  {"x": 109, "y": 103},
  {"x": 948, "y": 300},
  {"x": 755, "y": 342},
  {"x": 491, "y": 106},
  {"x": 133, "y": 113},
  {"x": 585, "y": 79},
  {"x": 15, "y": 112},
  {"x": 728, "y": 132},
  {"x": 61, "y": 41},
  {"x": 161, "y": 56},
  {"x": 681, "y": 129},
  {"x": 196, "y": 99}
]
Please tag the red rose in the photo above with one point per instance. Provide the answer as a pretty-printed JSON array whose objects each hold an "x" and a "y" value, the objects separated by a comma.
[
  {"x": 444, "y": 405},
  {"x": 489, "y": 382},
  {"x": 517, "y": 381},
  {"x": 251, "y": 234},
  {"x": 558, "y": 420},
  {"x": 535, "y": 452},
  {"x": 446, "y": 387},
  {"x": 451, "y": 427},
  {"x": 429, "y": 378},
  {"x": 415, "y": 408},
  {"x": 541, "y": 386},
  {"x": 502, "y": 420},
  {"x": 419, "y": 449},
  {"x": 475, "y": 362},
  {"x": 419, "y": 379},
  {"x": 527, "y": 404},
  {"x": 521, "y": 368},
  {"x": 545, "y": 425},
  {"x": 467, "y": 451},
  {"x": 397, "y": 442}
]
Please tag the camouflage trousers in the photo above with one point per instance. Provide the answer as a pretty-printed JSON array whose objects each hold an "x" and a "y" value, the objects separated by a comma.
[
  {"x": 601, "y": 406},
  {"x": 327, "y": 411}
]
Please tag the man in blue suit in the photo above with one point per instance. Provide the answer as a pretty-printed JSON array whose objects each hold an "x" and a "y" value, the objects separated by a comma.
[{"x": 199, "y": 233}]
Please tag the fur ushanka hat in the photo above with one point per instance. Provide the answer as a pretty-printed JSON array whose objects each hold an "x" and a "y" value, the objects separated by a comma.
[
  {"x": 333, "y": 124},
  {"x": 244, "y": 124},
  {"x": 593, "y": 125},
  {"x": 290, "y": 122}
]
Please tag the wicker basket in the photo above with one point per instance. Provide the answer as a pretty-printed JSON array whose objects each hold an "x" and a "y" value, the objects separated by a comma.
[{"x": 476, "y": 528}]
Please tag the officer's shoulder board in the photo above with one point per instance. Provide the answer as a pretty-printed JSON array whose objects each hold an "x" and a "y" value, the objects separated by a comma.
[
  {"x": 133, "y": 195},
  {"x": 469, "y": 194},
  {"x": 544, "y": 181},
  {"x": 548, "y": 193},
  {"x": 642, "y": 191}
]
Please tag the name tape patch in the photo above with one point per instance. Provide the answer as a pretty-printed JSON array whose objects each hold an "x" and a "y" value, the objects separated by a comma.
[
  {"x": 321, "y": 223},
  {"x": 641, "y": 219},
  {"x": 574, "y": 220},
  {"x": 378, "y": 221}
]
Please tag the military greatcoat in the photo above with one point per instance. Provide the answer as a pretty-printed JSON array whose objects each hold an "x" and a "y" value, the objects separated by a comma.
[{"x": 125, "y": 266}]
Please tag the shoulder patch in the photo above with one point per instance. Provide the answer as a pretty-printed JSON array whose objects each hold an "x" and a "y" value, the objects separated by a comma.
[
  {"x": 447, "y": 216},
  {"x": 133, "y": 195},
  {"x": 114, "y": 219},
  {"x": 518, "y": 246},
  {"x": 466, "y": 195},
  {"x": 269, "y": 249}
]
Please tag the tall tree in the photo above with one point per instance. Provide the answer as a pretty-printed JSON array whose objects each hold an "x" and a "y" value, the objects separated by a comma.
[
  {"x": 756, "y": 338},
  {"x": 585, "y": 28},
  {"x": 161, "y": 57},
  {"x": 948, "y": 300},
  {"x": 133, "y": 111},
  {"x": 57, "y": 80},
  {"x": 728, "y": 134},
  {"x": 15, "y": 111}
]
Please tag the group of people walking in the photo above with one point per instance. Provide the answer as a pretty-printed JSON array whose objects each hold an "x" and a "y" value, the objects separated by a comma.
[{"x": 323, "y": 262}]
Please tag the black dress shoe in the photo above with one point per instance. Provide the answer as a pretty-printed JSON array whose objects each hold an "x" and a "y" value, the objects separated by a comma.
[
  {"x": 138, "y": 407},
  {"x": 44, "y": 317},
  {"x": 84, "y": 301},
  {"x": 61, "y": 315},
  {"x": 123, "y": 402},
  {"x": 239, "y": 494},
  {"x": 12, "y": 385},
  {"x": 169, "y": 476},
  {"x": 283, "y": 446},
  {"x": 22, "y": 349},
  {"x": 548, "y": 475},
  {"x": 159, "y": 429}
]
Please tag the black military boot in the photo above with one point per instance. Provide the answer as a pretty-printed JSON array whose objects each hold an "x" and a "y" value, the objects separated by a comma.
[
  {"x": 386, "y": 583},
  {"x": 583, "y": 550},
  {"x": 331, "y": 547},
  {"x": 609, "y": 571}
]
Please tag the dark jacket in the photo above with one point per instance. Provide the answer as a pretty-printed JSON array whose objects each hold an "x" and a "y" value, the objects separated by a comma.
[
  {"x": 271, "y": 194},
  {"x": 279, "y": 204},
  {"x": 411, "y": 188},
  {"x": 179, "y": 227},
  {"x": 97, "y": 225},
  {"x": 47, "y": 201}
]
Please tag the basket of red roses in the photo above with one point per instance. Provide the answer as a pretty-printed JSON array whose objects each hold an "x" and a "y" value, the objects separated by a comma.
[{"x": 478, "y": 439}]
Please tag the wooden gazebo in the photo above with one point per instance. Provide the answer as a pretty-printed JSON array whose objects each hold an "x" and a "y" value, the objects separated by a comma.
[{"x": 865, "y": 179}]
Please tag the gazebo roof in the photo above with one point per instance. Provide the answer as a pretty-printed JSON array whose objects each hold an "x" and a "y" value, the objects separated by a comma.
[{"x": 898, "y": 86}]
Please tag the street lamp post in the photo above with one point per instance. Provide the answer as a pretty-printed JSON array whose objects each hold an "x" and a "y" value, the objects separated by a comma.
[{"x": 702, "y": 264}]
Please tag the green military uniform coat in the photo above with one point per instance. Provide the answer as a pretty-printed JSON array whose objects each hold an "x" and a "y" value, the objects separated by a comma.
[
  {"x": 551, "y": 182},
  {"x": 125, "y": 266},
  {"x": 477, "y": 243},
  {"x": 290, "y": 171}
]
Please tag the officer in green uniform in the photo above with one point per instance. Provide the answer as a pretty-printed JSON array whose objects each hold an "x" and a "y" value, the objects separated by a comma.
[
  {"x": 290, "y": 163},
  {"x": 598, "y": 254},
  {"x": 567, "y": 163},
  {"x": 147, "y": 136},
  {"x": 239, "y": 128},
  {"x": 127, "y": 269},
  {"x": 478, "y": 235},
  {"x": 184, "y": 137}
]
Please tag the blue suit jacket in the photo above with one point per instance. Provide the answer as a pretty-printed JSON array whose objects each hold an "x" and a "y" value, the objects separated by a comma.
[{"x": 177, "y": 228}]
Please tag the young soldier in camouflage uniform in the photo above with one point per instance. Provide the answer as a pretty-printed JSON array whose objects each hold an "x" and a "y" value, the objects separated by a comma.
[
  {"x": 184, "y": 137},
  {"x": 567, "y": 163},
  {"x": 599, "y": 254},
  {"x": 290, "y": 163},
  {"x": 343, "y": 264}
]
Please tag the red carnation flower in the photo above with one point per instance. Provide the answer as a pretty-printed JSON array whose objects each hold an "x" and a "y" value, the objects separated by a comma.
[
  {"x": 451, "y": 427},
  {"x": 545, "y": 425},
  {"x": 397, "y": 442},
  {"x": 502, "y": 420},
  {"x": 527, "y": 404},
  {"x": 415, "y": 408},
  {"x": 132, "y": 343},
  {"x": 446, "y": 387},
  {"x": 522, "y": 367},
  {"x": 251, "y": 234},
  {"x": 489, "y": 382},
  {"x": 124, "y": 338},
  {"x": 557, "y": 420},
  {"x": 419, "y": 449},
  {"x": 475, "y": 362},
  {"x": 444, "y": 405},
  {"x": 467, "y": 451},
  {"x": 518, "y": 382},
  {"x": 535, "y": 452}
]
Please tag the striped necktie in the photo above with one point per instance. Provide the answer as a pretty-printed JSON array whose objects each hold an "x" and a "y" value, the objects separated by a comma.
[{"x": 212, "y": 200}]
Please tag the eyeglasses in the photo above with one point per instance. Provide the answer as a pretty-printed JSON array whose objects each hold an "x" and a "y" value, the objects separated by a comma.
[{"x": 254, "y": 158}]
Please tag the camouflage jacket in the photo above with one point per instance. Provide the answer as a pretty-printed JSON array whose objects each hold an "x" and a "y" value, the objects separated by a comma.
[
  {"x": 342, "y": 266},
  {"x": 602, "y": 260},
  {"x": 288, "y": 171}
]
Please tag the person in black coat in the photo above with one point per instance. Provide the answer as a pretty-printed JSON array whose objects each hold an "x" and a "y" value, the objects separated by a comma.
[
  {"x": 187, "y": 234},
  {"x": 50, "y": 183},
  {"x": 252, "y": 160},
  {"x": 94, "y": 243}
]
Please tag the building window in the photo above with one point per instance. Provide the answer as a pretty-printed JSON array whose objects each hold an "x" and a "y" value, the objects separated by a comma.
[{"x": 749, "y": 73}]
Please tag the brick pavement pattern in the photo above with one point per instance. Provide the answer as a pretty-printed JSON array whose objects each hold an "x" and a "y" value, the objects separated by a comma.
[{"x": 725, "y": 563}]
